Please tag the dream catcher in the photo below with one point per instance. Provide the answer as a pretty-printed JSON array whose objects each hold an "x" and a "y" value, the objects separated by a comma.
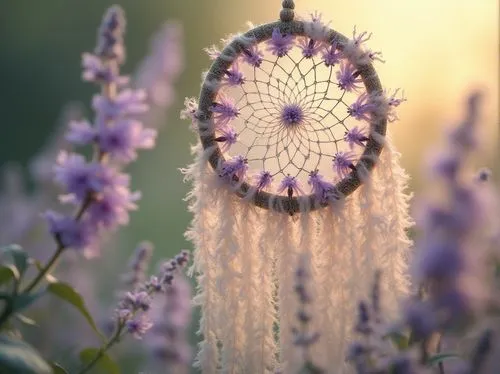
[{"x": 292, "y": 158}]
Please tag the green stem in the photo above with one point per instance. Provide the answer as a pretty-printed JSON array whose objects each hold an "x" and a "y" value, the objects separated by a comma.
[
  {"x": 116, "y": 336},
  {"x": 45, "y": 269}
]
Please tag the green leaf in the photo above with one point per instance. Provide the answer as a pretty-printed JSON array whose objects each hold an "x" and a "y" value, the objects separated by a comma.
[
  {"x": 67, "y": 293},
  {"x": 58, "y": 369},
  {"x": 19, "y": 357},
  {"x": 19, "y": 256},
  {"x": 26, "y": 320},
  {"x": 8, "y": 272},
  {"x": 105, "y": 363},
  {"x": 440, "y": 357},
  {"x": 24, "y": 300}
]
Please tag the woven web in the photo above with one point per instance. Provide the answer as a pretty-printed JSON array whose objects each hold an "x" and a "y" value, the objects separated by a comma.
[{"x": 311, "y": 145}]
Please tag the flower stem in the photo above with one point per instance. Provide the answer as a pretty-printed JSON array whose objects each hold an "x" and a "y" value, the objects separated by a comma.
[
  {"x": 102, "y": 351},
  {"x": 46, "y": 268}
]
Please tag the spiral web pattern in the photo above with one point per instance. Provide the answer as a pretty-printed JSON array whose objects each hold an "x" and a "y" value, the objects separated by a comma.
[{"x": 269, "y": 144}]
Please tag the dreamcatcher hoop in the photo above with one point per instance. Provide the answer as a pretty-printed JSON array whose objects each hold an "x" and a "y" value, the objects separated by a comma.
[{"x": 287, "y": 25}]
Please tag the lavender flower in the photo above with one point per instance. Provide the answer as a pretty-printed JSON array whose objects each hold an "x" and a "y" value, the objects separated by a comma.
[
  {"x": 81, "y": 133},
  {"x": 343, "y": 163},
  {"x": 355, "y": 136},
  {"x": 138, "y": 265},
  {"x": 228, "y": 136},
  {"x": 110, "y": 209},
  {"x": 280, "y": 44},
  {"x": 110, "y": 39},
  {"x": 224, "y": 111},
  {"x": 290, "y": 185},
  {"x": 94, "y": 70},
  {"x": 235, "y": 167},
  {"x": 128, "y": 102},
  {"x": 253, "y": 56},
  {"x": 138, "y": 326},
  {"x": 79, "y": 235},
  {"x": 362, "y": 108},
  {"x": 348, "y": 77},
  {"x": 323, "y": 190},
  {"x": 122, "y": 140}
]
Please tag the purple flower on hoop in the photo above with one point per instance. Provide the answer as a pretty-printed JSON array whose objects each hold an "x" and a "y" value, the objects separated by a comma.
[
  {"x": 290, "y": 185},
  {"x": 235, "y": 167},
  {"x": 332, "y": 56},
  {"x": 280, "y": 44},
  {"x": 228, "y": 136},
  {"x": 234, "y": 77},
  {"x": 343, "y": 163},
  {"x": 362, "y": 108},
  {"x": 361, "y": 38},
  {"x": 355, "y": 136},
  {"x": 253, "y": 56},
  {"x": 323, "y": 190},
  {"x": 263, "y": 180},
  {"x": 310, "y": 47},
  {"x": 348, "y": 77},
  {"x": 224, "y": 111}
]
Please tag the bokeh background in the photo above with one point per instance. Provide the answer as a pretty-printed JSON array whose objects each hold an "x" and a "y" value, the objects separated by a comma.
[{"x": 437, "y": 51}]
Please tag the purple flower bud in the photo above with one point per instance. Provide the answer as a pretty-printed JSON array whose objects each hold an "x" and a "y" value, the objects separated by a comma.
[
  {"x": 74, "y": 234},
  {"x": 111, "y": 208},
  {"x": 81, "y": 133},
  {"x": 280, "y": 44},
  {"x": 138, "y": 326},
  {"x": 420, "y": 318},
  {"x": 127, "y": 102}
]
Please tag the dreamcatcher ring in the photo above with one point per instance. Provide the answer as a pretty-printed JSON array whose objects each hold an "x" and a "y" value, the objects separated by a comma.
[{"x": 214, "y": 114}]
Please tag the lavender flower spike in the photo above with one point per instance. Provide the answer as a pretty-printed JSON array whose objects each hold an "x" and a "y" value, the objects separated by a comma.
[
  {"x": 343, "y": 163},
  {"x": 348, "y": 77},
  {"x": 291, "y": 185},
  {"x": 280, "y": 44}
]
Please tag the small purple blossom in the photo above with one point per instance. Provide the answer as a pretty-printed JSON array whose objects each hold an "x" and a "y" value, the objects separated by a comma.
[
  {"x": 361, "y": 38},
  {"x": 138, "y": 326},
  {"x": 322, "y": 189},
  {"x": 263, "y": 180},
  {"x": 291, "y": 115},
  {"x": 94, "y": 70},
  {"x": 280, "y": 44},
  {"x": 393, "y": 101},
  {"x": 253, "y": 56},
  {"x": 421, "y": 319},
  {"x": 122, "y": 140},
  {"x": 135, "y": 301},
  {"x": 343, "y": 163},
  {"x": 332, "y": 55},
  {"x": 224, "y": 111},
  {"x": 355, "y": 136},
  {"x": 228, "y": 136},
  {"x": 127, "y": 102},
  {"x": 234, "y": 76},
  {"x": 81, "y": 133},
  {"x": 348, "y": 77},
  {"x": 110, "y": 41},
  {"x": 112, "y": 207},
  {"x": 310, "y": 47},
  {"x": 362, "y": 108},
  {"x": 235, "y": 167},
  {"x": 78, "y": 235},
  {"x": 78, "y": 177},
  {"x": 290, "y": 185}
]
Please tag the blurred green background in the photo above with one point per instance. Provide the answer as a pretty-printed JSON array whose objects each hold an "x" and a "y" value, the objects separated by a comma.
[{"x": 437, "y": 51}]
